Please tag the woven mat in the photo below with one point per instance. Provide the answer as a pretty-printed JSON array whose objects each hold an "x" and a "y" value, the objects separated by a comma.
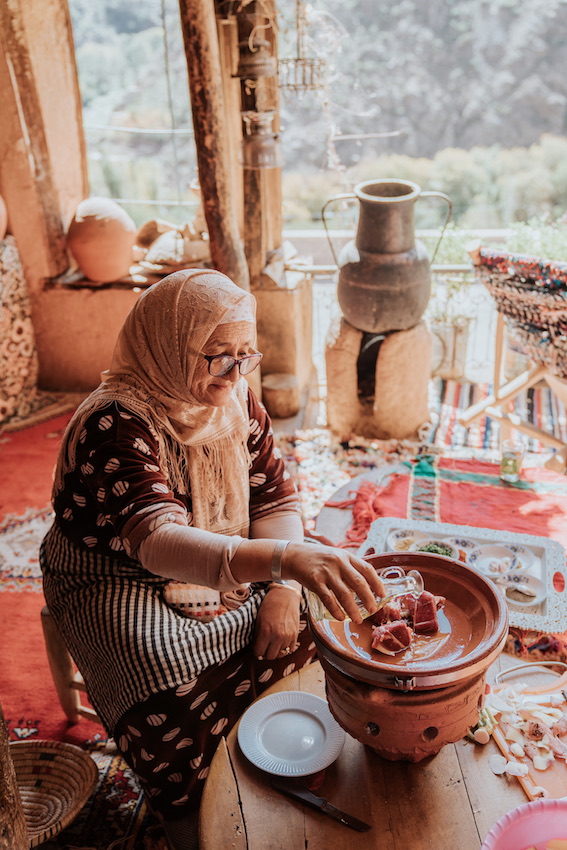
[{"x": 448, "y": 399}]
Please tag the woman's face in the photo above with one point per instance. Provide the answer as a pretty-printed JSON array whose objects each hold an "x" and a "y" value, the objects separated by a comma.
[{"x": 234, "y": 338}]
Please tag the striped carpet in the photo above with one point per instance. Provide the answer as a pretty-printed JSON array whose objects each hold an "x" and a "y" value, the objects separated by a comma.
[{"x": 451, "y": 398}]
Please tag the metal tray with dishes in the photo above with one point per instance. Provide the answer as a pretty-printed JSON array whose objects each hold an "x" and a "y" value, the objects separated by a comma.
[{"x": 529, "y": 571}]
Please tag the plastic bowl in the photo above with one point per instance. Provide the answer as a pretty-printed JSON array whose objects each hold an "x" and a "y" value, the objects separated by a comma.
[{"x": 529, "y": 825}]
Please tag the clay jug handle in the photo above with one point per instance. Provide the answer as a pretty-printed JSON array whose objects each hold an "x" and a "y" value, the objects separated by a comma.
[
  {"x": 449, "y": 203},
  {"x": 349, "y": 196}
]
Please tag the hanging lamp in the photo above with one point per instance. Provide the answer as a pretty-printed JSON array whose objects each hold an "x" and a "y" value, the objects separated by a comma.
[{"x": 302, "y": 73}]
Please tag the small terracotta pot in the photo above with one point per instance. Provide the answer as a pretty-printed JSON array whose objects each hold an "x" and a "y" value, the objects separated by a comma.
[
  {"x": 101, "y": 239},
  {"x": 3, "y": 218},
  {"x": 409, "y": 706}
]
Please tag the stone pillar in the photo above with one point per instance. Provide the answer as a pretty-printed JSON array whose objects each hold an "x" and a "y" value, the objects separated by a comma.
[{"x": 402, "y": 374}]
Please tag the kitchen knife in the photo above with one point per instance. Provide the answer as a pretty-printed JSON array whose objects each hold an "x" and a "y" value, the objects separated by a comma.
[{"x": 299, "y": 792}]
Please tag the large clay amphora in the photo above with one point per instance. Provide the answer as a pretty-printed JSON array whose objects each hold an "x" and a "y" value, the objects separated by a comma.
[{"x": 384, "y": 278}]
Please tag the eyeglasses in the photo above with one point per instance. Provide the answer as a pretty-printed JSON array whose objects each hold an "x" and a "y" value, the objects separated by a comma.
[{"x": 222, "y": 364}]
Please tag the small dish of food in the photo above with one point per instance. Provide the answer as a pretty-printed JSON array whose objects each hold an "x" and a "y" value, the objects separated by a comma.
[
  {"x": 522, "y": 591},
  {"x": 494, "y": 560},
  {"x": 402, "y": 539},
  {"x": 464, "y": 545},
  {"x": 526, "y": 556},
  {"x": 435, "y": 546}
]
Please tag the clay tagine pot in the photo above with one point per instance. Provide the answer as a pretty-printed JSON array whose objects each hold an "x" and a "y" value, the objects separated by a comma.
[
  {"x": 408, "y": 706},
  {"x": 101, "y": 239}
]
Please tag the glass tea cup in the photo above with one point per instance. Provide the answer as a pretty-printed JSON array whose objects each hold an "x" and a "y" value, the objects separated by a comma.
[
  {"x": 396, "y": 583},
  {"x": 511, "y": 461}
]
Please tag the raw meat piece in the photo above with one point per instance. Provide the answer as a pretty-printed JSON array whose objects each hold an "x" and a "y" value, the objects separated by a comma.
[
  {"x": 425, "y": 614},
  {"x": 387, "y": 614},
  {"x": 407, "y": 601},
  {"x": 392, "y": 637}
]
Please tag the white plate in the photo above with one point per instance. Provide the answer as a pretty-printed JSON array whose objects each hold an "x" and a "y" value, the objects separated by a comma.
[
  {"x": 489, "y": 558},
  {"x": 511, "y": 581},
  {"x": 437, "y": 541},
  {"x": 290, "y": 733},
  {"x": 397, "y": 540}
]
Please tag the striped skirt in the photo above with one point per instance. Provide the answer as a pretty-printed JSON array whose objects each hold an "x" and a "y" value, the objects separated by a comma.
[{"x": 170, "y": 739}]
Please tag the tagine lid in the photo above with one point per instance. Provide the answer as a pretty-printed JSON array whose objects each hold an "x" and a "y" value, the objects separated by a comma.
[{"x": 473, "y": 627}]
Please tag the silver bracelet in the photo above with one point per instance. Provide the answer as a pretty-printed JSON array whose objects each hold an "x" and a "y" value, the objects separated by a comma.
[{"x": 277, "y": 556}]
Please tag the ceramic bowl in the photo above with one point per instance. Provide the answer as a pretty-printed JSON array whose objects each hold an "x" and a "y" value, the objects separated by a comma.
[
  {"x": 439, "y": 542},
  {"x": 526, "y": 556},
  {"x": 402, "y": 538},
  {"x": 522, "y": 590},
  {"x": 494, "y": 560},
  {"x": 467, "y": 544},
  {"x": 530, "y": 825}
]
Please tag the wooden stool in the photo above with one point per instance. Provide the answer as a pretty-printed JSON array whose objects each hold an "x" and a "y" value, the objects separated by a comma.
[{"x": 66, "y": 678}]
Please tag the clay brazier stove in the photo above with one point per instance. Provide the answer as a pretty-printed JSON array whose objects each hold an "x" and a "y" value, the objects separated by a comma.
[
  {"x": 408, "y": 707},
  {"x": 378, "y": 353}
]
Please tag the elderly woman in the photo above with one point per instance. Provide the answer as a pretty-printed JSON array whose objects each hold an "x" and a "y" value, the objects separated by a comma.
[{"x": 175, "y": 563}]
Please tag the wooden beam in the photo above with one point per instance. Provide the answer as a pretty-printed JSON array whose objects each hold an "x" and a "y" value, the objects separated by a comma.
[
  {"x": 41, "y": 117},
  {"x": 505, "y": 394},
  {"x": 198, "y": 25},
  {"x": 262, "y": 187}
]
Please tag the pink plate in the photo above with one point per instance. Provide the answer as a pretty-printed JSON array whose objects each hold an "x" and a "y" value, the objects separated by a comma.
[{"x": 529, "y": 825}]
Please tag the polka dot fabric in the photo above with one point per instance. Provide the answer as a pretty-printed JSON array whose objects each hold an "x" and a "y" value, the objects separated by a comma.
[
  {"x": 171, "y": 738},
  {"x": 118, "y": 483}
]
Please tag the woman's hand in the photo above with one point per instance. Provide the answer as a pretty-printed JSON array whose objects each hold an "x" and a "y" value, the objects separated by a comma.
[
  {"x": 277, "y": 623},
  {"x": 334, "y": 575}
]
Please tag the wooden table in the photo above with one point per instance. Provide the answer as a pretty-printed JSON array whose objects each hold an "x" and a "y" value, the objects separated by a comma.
[{"x": 448, "y": 802}]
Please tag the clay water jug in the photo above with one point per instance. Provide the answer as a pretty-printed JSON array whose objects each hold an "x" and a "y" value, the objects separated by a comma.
[
  {"x": 384, "y": 277},
  {"x": 101, "y": 239}
]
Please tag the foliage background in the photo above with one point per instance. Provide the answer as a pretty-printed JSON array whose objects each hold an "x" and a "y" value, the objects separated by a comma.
[{"x": 471, "y": 94}]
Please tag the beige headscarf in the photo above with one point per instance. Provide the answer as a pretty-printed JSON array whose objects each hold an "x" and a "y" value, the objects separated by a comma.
[{"x": 203, "y": 449}]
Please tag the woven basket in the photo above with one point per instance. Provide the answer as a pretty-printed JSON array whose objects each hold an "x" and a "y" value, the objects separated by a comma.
[{"x": 55, "y": 781}]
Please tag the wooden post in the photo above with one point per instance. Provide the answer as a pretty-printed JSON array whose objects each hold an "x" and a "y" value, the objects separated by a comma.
[
  {"x": 262, "y": 187},
  {"x": 42, "y": 149},
  {"x": 61, "y": 666},
  {"x": 13, "y": 828},
  {"x": 198, "y": 25}
]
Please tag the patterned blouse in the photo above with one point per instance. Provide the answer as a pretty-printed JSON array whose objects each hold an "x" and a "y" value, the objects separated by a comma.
[{"x": 127, "y": 642}]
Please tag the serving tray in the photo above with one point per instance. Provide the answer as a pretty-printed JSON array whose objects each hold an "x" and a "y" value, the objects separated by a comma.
[{"x": 549, "y": 615}]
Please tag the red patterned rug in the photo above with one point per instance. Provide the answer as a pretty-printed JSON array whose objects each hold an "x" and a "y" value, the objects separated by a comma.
[{"x": 116, "y": 811}]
